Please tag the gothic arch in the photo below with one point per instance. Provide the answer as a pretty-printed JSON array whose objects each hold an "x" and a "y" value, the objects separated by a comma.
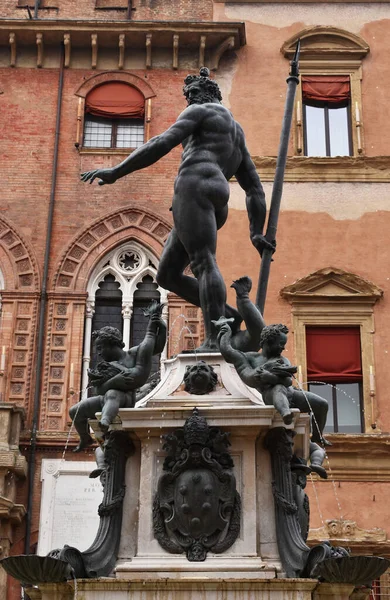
[
  {"x": 19, "y": 265},
  {"x": 128, "y": 281},
  {"x": 123, "y": 76},
  {"x": 104, "y": 234}
]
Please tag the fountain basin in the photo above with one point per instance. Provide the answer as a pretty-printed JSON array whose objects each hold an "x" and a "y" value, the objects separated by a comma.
[
  {"x": 31, "y": 569},
  {"x": 359, "y": 570}
]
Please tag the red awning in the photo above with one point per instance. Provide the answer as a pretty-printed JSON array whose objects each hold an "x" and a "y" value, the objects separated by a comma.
[
  {"x": 115, "y": 100},
  {"x": 332, "y": 89},
  {"x": 333, "y": 354}
]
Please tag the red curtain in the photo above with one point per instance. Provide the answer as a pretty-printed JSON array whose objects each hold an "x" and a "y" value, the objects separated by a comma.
[
  {"x": 333, "y": 354},
  {"x": 334, "y": 90},
  {"x": 115, "y": 100}
]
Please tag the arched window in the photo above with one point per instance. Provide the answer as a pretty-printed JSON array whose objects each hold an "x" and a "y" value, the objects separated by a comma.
[
  {"x": 328, "y": 104},
  {"x": 121, "y": 286},
  {"x": 114, "y": 116}
]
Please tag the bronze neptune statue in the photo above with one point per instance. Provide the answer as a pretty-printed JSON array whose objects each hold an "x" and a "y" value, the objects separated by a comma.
[{"x": 214, "y": 150}]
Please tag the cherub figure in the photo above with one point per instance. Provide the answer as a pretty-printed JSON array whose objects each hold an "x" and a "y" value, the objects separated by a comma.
[
  {"x": 271, "y": 373},
  {"x": 118, "y": 375},
  {"x": 247, "y": 340}
]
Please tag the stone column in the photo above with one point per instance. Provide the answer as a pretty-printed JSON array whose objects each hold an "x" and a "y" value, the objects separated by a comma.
[
  {"x": 89, "y": 312},
  {"x": 127, "y": 311}
]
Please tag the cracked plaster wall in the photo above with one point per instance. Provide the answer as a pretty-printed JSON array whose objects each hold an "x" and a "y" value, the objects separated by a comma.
[{"x": 341, "y": 201}]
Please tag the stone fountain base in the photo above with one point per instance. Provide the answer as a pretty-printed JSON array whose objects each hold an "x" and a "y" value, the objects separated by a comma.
[
  {"x": 253, "y": 566},
  {"x": 198, "y": 589}
]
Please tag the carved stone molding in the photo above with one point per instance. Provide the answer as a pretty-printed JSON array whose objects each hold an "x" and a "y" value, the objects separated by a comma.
[
  {"x": 124, "y": 76},
  {"x": 21, "y": 257},
  {"x": 361, "y": 169},
  {"x": 348, "y": 533},
  {"x": 326, "y": 42},
  {"x": 347, "y": 530},
  {"x": 104, "y": 234},
  {"x": 329, "y": 284}
]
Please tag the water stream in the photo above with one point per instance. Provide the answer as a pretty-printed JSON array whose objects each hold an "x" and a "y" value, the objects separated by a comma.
[{"x": 329, "y": 469}]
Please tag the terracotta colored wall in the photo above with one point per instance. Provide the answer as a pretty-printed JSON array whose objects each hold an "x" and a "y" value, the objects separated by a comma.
[{"x": 28, "y": 124}]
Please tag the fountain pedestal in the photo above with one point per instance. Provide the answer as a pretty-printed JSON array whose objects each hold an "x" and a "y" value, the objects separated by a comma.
[{"x": 252, "y": 566}]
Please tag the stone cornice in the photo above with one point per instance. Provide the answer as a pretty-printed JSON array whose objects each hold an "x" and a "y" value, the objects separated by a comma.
[
  {"x": 53, "y": 32},
  {"x": 363, "y": 169},
  {"x": 359, "y": 457}
]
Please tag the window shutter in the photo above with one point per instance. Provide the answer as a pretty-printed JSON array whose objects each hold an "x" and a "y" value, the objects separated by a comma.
[
  {"x": 115, "y": 100},
  {"x": 333, "y": 354},
  {"x": 320, "y": 89}
]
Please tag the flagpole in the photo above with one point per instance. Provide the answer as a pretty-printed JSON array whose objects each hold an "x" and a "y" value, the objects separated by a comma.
[{"x": 292, "y": 82}]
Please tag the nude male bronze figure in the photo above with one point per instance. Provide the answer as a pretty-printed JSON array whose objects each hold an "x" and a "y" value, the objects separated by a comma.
[{"x": 214, "y": 150}]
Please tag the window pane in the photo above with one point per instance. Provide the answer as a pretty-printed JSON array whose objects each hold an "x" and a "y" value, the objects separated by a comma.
[
  {"x": 348, "y": 408},
  {"x": 325, "y": 391},
  {"x": 315, "y": 131},
  {"x": 97, "y": 133},
  {"x": 130, "y": 134},
  {"x": 338, "y": 131},
  {"x": 147, "y": 290}
]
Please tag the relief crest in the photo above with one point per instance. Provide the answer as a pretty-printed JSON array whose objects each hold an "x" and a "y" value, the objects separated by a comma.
[{"x": 197, "y": 507}]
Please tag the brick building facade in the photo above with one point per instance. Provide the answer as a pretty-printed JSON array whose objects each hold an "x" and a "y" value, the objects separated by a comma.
[{"x": 331, "y": 268}]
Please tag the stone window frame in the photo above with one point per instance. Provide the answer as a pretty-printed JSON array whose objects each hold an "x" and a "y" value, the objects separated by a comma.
[
  {"x": 332, "y": 297},
  {"x": 109, "y": 264},
  {"x": 100, "y": 79},
  {"x": 328, "y": 50}
]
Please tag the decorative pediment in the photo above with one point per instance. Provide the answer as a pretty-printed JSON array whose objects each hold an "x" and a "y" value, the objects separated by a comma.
[
  {"x": 326, "y": 43},
  {"x": 333, "y": 284}
]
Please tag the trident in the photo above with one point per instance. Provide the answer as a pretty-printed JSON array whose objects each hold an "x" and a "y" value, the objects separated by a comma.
[{"x": 277, "y": 189}]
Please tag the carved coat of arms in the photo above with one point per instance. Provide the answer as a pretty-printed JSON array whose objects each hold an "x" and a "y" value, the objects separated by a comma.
[{"x": 197, "y": 507}]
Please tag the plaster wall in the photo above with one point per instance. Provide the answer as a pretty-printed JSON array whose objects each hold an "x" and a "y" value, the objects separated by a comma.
[{"x": 262, "y": 69}]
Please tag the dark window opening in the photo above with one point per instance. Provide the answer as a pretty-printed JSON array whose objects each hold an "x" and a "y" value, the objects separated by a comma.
[
  {"x": 146, "y": 292},
  {"x": 108, "y": 309}
]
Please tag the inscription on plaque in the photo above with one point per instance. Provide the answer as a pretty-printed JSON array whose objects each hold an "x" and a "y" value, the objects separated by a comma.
[{"x": 69, "y": 507}]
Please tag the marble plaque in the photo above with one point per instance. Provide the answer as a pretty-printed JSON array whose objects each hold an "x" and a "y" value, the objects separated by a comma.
[{"x": 69, "y": 505}]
